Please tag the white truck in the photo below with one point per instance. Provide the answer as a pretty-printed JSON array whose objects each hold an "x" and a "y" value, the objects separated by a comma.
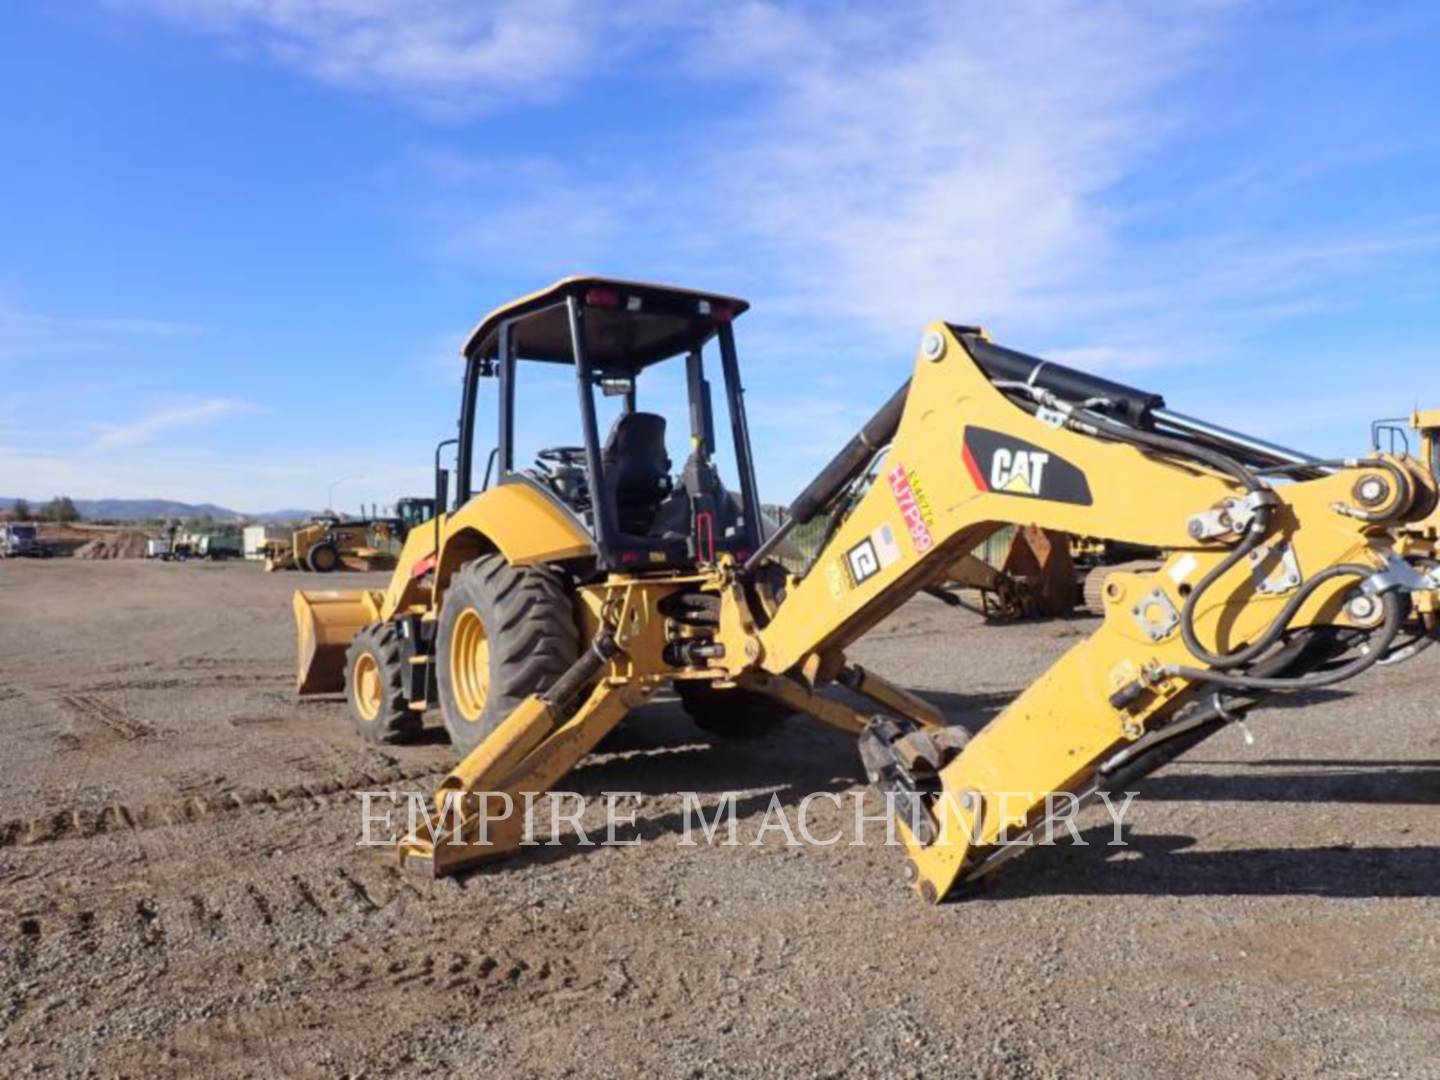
[{"x": 18, "y": 538}]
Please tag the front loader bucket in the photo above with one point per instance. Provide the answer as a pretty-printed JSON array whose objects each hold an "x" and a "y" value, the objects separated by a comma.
[{"x": 325, "y": 622}]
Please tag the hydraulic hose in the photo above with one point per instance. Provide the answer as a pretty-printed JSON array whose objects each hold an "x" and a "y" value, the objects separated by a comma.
[
  {"x": 1166, "y": 444},
  {"x": 1277, "y": 627},
  {"x": 1254, "y": 536},
  {"x": 1164, "y": 744},
  {"x": 1403, "y": 484},
  {"x": 1380, "y": 644},
  {"x": 1090, "y": 422},
  {"x": 1418, "y": 644},
  {"x": 1252, "y": 539}
]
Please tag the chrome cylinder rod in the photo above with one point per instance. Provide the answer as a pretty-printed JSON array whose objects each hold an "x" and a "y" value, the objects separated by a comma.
[{"x": 1232, "y": 440}]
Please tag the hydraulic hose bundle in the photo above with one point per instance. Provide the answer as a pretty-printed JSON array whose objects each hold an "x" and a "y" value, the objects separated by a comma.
[{"x": 1055, "y": 388}]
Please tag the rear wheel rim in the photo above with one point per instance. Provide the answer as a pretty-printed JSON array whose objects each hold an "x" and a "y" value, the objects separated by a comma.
[
  {"x": 470, "y": 666},
  {"x": 368, "y": 692}
]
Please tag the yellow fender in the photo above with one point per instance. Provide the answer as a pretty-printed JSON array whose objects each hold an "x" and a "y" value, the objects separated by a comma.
[
  {"x": 519, "y": 522},
  {"x": 522, "y": 524}
]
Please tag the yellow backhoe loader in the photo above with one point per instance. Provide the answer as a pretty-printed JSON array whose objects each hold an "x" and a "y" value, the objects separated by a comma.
[{"x": 542, "y": 607}]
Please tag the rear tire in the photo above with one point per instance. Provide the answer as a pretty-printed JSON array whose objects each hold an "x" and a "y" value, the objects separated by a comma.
[
  {"x": 731, "y": 714},
  {"x": 505, "y": 632},
  {"x": 323, "y": 558},
  {"x": 374, "y": 685}
]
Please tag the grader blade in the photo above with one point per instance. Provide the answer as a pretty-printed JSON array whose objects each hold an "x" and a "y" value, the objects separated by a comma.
[{"x": 325, "y": 622}]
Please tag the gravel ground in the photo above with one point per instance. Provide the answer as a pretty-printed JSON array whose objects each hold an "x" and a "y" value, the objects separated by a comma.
[{"x": 181, "y": 892}]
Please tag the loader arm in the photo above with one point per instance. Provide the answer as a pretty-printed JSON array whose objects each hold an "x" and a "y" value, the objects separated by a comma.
[{"x": 968, "y": 458}]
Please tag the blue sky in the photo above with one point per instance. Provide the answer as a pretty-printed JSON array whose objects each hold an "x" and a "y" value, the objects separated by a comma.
[{"x": 242, "y": 240}]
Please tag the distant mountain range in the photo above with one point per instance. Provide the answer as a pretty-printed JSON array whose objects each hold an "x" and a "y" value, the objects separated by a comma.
[{"x": 140, "y": 509}]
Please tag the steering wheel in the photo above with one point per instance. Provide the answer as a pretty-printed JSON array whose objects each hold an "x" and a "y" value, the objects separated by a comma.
[{"x": 573, "y": 456}]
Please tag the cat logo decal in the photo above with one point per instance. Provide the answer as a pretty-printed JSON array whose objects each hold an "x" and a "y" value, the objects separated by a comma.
[{"x": 1005, "y": 465}]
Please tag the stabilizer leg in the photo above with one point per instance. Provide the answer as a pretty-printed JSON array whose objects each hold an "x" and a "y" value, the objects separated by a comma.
[
  {"x": 894, "y": 698},
  {"x": 804, "y": 700},
  {"x": 479, "y": 809}
]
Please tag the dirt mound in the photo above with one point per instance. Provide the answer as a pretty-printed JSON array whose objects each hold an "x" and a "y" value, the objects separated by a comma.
[{"x": 121, "y": 545}]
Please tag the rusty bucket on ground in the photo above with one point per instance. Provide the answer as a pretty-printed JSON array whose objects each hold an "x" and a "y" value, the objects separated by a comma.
[{"x": 1035, "y": 580}]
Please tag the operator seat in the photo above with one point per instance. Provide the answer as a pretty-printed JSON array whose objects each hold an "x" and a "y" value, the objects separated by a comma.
[{"x": 637, "y": 469}]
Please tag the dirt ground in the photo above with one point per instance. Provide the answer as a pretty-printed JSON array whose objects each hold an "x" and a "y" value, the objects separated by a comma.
[{"x": 181, "y": 892}]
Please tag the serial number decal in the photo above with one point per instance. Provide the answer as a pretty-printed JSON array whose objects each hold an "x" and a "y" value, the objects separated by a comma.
[{"x": 914, "y": 507}]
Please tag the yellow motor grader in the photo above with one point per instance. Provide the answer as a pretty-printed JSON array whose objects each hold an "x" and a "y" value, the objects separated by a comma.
[
  {"x": 547, "y": 601},
  {"x": 327, "y": 542}
]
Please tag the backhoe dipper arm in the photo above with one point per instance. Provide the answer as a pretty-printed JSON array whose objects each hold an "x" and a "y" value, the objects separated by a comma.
[{"x": 1260, "y": 584}]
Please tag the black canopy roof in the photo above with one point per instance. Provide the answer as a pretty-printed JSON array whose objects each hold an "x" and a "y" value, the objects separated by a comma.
[{"x": 628, "y": 325}]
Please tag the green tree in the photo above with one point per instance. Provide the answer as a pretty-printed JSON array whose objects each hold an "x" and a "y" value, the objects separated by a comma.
[
  {"x": 21, "y": 510},
  {"x": 60, "y": 508}
]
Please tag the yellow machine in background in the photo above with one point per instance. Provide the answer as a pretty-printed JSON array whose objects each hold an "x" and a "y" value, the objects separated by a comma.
[
  {"x": 1421, "y": 538},
  {"x": 327, "y": 543},
  {"x": 542, "y": 608}
]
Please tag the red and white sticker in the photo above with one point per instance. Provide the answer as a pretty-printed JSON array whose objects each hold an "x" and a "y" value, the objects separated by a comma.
[{"x": 912, "y": 509}]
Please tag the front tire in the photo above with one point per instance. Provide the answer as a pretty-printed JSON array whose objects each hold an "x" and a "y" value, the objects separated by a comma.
[
  {"x": 323, "y": 558},
  {"x": 505, "y": 632},
  {"x": 374, "y": 685}
]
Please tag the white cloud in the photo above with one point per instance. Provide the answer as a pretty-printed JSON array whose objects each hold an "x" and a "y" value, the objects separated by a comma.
[
  {"x": 27, "y": 334},
  {"x": 948, "y": 159},
  {"x": 145, "y": 428},
  {"x": 887, "y": 167},
  {"x": 861, "y": 170},
  {"x": 449, "y": 56}
]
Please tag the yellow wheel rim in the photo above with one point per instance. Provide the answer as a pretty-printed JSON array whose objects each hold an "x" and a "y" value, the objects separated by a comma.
[
  {"x": 368, "y": 693},
  {"x": 470, "y": 665}
]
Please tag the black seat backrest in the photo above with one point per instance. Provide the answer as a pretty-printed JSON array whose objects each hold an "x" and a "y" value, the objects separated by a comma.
[{"x": 637, "y": 468}]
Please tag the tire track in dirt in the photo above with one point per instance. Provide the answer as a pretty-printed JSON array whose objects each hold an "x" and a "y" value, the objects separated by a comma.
[
  {"x": 112, "y": 720},
  {"x": 79, "y": 823},
  {"x": 177, "y": 682},
  {"x": 506, "y": 955}
]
